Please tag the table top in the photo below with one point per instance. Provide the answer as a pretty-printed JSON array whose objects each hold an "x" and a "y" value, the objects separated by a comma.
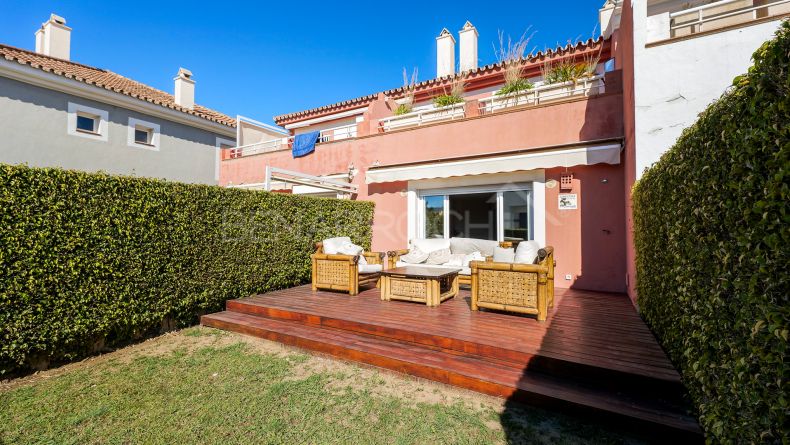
[{"x": 421, "y": 272}]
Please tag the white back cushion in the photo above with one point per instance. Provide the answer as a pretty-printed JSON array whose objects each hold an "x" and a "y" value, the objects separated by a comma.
[
  {"x": 469, "y": 245},
  {"x": 429, "y": 245},
  {"x": 350, "y": 249},
  {"x": 502, "y": 255},
  {"x": 333, "y": 245},
  {"x": 527, "y": 252}
]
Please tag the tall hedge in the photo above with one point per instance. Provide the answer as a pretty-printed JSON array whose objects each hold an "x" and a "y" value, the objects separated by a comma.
[
  {"x": 89, "y": 259},
  {"x": 712, "y": 221}
]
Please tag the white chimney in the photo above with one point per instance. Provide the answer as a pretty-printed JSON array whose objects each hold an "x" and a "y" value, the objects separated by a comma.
[
  {"x": 445, "y": 54},
  {"x": 54, "y": 38},
  {"x": 467, "y": 38},
  {"x": 185, "y": 89}
]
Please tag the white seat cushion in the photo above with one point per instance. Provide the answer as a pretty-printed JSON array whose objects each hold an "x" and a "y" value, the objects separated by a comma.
[
  {"x": 527, "y": 252},
  {"x": 333, "y": 245},
  {"x": 369, "y": 268},
  {"x": 464, "y": 270},
  {"x": 429, "y": 245},
  {"x": 474, "y": 256}
]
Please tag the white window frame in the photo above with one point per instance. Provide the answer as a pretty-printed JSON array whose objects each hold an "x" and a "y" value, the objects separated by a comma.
[
  {"x": 75, "y": 109},
  {"x": 155, "y": 129},
  {"x": 533, "y": 180},
  {"x": 219, "y": 142},
  {"x": 498, "y": 189}
]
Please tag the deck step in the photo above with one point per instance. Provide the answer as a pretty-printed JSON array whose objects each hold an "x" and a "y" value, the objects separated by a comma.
[
  {"x": 666, "y": 386},
  {"x": 646, "y": 415}
]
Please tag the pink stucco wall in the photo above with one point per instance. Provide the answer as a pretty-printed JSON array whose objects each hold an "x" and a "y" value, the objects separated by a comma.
[
  {"x": 589, "y": 242},
  {"x": 625, "y": 53},
  {"x": 579, "y": 238}
]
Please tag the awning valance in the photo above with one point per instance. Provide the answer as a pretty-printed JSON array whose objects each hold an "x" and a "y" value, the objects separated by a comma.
[{"x": 567, "y": 157}]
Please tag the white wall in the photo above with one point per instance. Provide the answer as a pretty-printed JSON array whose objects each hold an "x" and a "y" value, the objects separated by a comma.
[{"x": 674, "y": 82}]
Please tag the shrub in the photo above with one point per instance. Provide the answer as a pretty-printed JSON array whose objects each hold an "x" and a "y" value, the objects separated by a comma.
[
  {"x": 712, "y": 222},
  {"x": 446, "y": 100},
  {"x": 516, "y": 86},
  {"x": 91, "y": 259},
  {"x": 403, "y": 109}
]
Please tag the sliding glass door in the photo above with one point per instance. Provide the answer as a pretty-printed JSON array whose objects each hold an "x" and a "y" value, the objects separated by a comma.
[
  {"x": 517, "y": 215},
  {"x": 501, "y": 215}
]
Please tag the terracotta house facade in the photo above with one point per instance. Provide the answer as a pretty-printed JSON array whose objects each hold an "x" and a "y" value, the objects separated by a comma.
[{"x": 553, "y": 163}]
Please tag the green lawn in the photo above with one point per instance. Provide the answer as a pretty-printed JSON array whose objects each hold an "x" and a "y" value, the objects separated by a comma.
[{"x": 205, "y": 386}]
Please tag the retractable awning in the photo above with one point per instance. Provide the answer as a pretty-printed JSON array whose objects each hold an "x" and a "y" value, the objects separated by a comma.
[
  {"x": 278, "y": 178},
  {"x": 608, "y": 153}
]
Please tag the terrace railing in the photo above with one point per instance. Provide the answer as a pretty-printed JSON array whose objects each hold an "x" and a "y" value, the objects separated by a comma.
[
  {"x": 328, "y": 135},
  {"x": 712, "y": 16},
  {"x": 422, "y": 117},
  {"x": 588, "y": 86}
]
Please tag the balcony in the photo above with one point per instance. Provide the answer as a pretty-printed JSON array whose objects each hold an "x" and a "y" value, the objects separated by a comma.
[
  {"x": 470, "y": 110},
  {"x": 327, "y": 135},
  {"x": 710, "y": 17},
  {"x": 544, "y": 94}
]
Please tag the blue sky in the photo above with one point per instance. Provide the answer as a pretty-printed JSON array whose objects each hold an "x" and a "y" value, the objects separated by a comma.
[{"x": 260, "y": 60}]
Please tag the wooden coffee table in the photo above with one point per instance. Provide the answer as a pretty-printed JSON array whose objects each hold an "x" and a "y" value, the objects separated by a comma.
[{"x": 429, "y": 285}]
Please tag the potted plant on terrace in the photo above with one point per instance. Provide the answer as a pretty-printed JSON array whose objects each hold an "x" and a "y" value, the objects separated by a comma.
[
  {"x": 510, "y": 55},
  {"x": 454, "y": 95},
  {"x": 567, "y": 74}
]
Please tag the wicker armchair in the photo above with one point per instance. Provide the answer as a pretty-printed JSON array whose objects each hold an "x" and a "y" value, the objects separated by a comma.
[
  {"x": 393, "y": 257},
  {"x": 522, "y": 288},
  {"x": 342, "y": 272}
]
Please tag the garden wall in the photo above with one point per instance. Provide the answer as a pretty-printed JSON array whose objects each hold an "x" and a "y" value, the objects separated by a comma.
[
  {"x": 91, "y": 260},
  {"x": 712, "y": 223}
]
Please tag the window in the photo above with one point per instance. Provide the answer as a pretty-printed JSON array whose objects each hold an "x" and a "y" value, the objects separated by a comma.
[
  {"x": 86, "y": 122},
  {"x": 499, "y": 215},
  {"x": 473, "y": 215},
  {"x": 143, "y": 134},
  {"x": 517, "y": 215},
  {"x": 434, "y": 216}
]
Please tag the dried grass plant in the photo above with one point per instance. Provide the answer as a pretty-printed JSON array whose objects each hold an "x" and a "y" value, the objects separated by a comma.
[
  {"x": 409, "y": 89},
  {"x": 510, "y": 55}
]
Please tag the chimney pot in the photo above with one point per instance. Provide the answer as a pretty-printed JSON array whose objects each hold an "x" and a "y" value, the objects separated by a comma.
[
  {"x": 445, "y": 54},
  {"x": 184, "y": 89},
  {"x": 54, "y": 38},
  {"x": 467, "y": 37}
]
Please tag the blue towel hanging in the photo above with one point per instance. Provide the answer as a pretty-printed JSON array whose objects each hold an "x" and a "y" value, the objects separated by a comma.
[{"x": 304, "y": 143}]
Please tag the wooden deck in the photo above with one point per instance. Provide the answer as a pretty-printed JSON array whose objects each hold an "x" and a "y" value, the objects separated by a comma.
[{"x": 593, "y": 355}]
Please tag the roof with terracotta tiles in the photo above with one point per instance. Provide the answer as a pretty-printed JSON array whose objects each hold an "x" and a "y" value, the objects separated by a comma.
[
  {"x": 483, "y": 71},
  {"x": 108, "y": 80}
]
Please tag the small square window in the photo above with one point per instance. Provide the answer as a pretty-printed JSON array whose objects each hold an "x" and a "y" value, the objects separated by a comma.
[
  {"x": 143, "y": 135},
  {"x": 87, "y": 123}
]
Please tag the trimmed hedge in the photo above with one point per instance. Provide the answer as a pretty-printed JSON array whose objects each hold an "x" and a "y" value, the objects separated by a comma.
[
  {"x": 89, "y": 260},
  {"x": 711, "y": 232}
]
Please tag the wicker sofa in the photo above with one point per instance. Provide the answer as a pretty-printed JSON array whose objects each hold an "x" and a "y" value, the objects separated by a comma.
[
  {"x": 522, "y": 288},
  {"x": 456, "y": 245},
  {"x": 344, "y": 272}
]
